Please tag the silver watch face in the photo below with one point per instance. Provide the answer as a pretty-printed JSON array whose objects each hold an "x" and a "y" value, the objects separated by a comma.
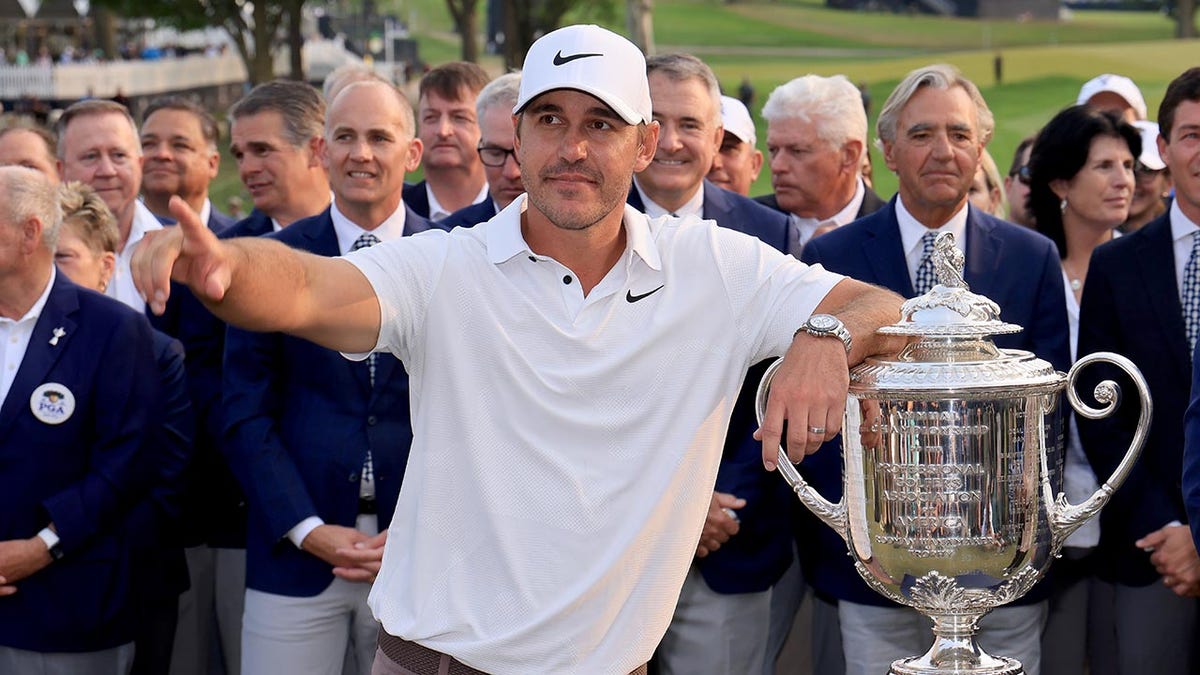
[{"x": 823, "y": 323}]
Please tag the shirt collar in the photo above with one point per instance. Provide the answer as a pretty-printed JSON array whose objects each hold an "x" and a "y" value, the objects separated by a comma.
[
  {"x": 1181, "y": 225},
  {"x": 504, "y": 239},
  {"x": 692, "y": 207},
  {"x": 348, "y": 231},
  {"x": 438, "y": 212},
  {"x": 911, "y": 230},
  {"x": 850, "y": 213},
  {"x": 35, "y": 310},
  {"x": 205, "y": 211},
  {"x": 143, "y": 221}
]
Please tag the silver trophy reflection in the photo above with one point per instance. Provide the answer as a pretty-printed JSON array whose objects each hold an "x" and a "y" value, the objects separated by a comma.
[{"x": 952, "y": 455}]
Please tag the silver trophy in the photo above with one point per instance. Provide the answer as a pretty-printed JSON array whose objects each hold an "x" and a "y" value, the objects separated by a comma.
[{"x": 953, "y": 454}]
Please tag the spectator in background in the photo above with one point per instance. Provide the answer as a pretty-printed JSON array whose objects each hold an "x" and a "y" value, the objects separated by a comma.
[
  {"x": 448, "y": 128},
  {"x": 985, "y": 191},
  {"x": 180, "y": 158},
  {"x": 275, "y": 136},
  {"x": 78, "y": 412},
  {"x": 1141, "y": 301},
  {"x": 1081, "y": 187},
  {"x": 1016, "y": 185},
  {"x": 816, "y": 137},
  {"x": 98, "y": 145},
  {"x": 1152, "y": 187},
  {"x": 738, "y": 162},
  {"x": 935, "y": 122},
  {"x": 494, "y": 110},
  {"x": 300, "y": 419},
  {"x": 31, "y": 147},
  {"x": 1114, "y": 93}
]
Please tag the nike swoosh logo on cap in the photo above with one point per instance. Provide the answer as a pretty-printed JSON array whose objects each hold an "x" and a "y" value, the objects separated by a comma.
[
  {"x": 629, "y": 296},
  {"x": 560, "y": 60}
]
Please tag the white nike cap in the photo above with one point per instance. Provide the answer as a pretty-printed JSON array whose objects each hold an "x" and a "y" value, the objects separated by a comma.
[
  {"x": 736, "y": 120},
  {"x": 593, "y": 60},
  {"x": 1118, "y": 84},
  {"x": 1149, "y": 157}
]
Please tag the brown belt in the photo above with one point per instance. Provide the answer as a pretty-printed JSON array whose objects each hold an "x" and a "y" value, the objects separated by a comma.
[{"x": 425, "y": 661}]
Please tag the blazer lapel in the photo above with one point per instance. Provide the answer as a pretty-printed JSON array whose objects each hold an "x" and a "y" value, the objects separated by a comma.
[
  {"x": 884, "y": 252},
  {"x": 41, "y": 355},
  {"x": 984, "y": 249},
  {"x": 1161, "y": 289}
]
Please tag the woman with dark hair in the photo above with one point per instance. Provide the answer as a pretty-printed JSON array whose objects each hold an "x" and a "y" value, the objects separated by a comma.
[{"x": 1080, "y": 189}]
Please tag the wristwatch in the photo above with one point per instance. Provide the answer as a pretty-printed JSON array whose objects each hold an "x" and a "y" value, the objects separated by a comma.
[
  {"x": 50, "y": 538},
  {"x": 827, "y": 325}
]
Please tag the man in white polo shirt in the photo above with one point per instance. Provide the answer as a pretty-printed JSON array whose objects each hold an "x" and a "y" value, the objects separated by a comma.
[{"x": 573, "y": 365}]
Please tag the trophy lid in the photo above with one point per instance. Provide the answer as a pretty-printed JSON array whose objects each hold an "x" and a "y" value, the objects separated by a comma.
[
  {"x": 949, "y": 309},
  {"x": 953, "y": 353}
]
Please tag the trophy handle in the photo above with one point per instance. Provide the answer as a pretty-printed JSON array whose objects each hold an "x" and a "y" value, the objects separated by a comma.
[
  {"x": 1066, "y": 517},
  {"x": 833, "y": 515}
]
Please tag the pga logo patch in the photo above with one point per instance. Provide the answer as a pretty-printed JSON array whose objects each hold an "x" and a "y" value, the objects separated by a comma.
[{"x": 52, "y": 403}]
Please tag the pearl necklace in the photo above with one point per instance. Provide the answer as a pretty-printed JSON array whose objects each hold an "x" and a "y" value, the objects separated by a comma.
[{"x": 1076, "y": 284}]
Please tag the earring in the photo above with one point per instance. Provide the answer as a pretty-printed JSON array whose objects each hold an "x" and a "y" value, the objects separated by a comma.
[
  {"x": 103, "y": 286},
  {"x": 1062, "y": 206}
]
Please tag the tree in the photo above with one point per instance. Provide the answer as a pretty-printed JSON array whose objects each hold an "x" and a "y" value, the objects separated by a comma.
[
  {"x": 527, "y": 20},
  {"x": 1185, "y": 18},
  {"x": 639, "y": 23},
  {"x": 253, "y": 35},
  {"x": 466, "y": 25}
]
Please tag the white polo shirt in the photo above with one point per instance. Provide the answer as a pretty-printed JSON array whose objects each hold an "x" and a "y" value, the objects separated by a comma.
[{"x": 565, "y": 447}]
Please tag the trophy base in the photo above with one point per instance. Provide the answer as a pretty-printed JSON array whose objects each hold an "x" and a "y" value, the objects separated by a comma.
[{"x": 985, "y": 665}]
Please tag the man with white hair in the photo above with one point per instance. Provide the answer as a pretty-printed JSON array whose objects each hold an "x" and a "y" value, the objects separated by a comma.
[
  {"x": 98, "y": 145},
  {"x": 738, "y": 162},
  {"x": 934, "y": 127},
  {"x": 1115, "y": 93},
  {"x": 816, "y": 138},
  {"x": 79, "y": 403},
  {"x": 493, "y": 108}
]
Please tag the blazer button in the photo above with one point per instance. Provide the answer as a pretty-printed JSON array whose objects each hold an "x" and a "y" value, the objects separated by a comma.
[
  {"x": 354, "y": 477},
  {"x": 371, "y": 420}
]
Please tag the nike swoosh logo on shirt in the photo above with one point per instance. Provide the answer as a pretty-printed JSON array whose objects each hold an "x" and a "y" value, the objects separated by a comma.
[{"x": 634, "y": 298}]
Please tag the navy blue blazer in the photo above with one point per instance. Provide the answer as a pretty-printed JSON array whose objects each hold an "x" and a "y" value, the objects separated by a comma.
[
  {"x": 758, "y": 555},
  {"x": 1131, "y": 306},
  {"x": 1016, "y": 267},
  {"x": 416, "y": 199},
  {"x": 83, "y": 474},
  {"x": 299, "y": 419},
  {"x": 469, "y": 216}
]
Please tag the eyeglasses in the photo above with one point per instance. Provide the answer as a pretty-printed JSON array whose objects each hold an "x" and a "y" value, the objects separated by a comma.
[
  {"x": 494, "y": 157},
  {"x": 1023, "y": 174}
]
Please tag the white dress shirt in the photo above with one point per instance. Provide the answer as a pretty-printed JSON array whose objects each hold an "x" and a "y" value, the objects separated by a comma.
[
  {"x": 806, "y": 227},
  {"x": 121, "y": 287},
  {"x": 692, "y": 207},
  {"x": 911, "y": 232},
  {"x": 438, "y": 212}
]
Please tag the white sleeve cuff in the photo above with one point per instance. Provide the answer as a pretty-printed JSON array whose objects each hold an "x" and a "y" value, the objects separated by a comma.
[{"x": 301, "y": 530}]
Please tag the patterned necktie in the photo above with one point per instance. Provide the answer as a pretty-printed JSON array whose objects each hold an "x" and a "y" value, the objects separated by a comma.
[
  {"x": 925, "y": 275},
  {"x": 367, "y": 240},
  {"x": 366, "y": 486},
  {"x": 1191, "y": 293}
]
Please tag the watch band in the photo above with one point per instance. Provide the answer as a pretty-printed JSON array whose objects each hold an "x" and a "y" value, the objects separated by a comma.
[
  {"x": 827, "y": 325},
  {"x": 50, "y": 538}
]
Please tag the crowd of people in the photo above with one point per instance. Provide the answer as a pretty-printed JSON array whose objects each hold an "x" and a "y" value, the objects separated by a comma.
[{"x": 502, "y": 419}]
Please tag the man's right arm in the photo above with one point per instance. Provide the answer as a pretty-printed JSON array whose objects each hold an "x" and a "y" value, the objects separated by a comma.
[{"x": 260, "y": 284}]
